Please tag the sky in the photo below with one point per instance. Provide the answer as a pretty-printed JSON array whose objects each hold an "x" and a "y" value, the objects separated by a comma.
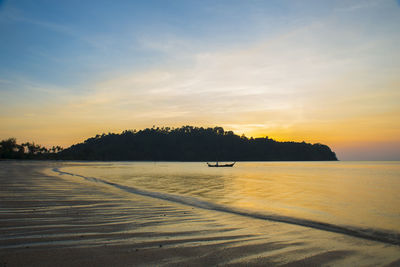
[{"x": 316, "y": 71}]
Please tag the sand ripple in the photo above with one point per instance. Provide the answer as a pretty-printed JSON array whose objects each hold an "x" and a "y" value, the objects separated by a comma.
[{"x": 58, "y": 221}]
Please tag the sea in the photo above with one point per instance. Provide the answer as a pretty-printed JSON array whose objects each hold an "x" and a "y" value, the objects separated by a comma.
[{"x": 356, "y": 198}]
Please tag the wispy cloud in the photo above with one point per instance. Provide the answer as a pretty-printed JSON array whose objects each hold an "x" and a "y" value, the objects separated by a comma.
[
  {"x": 332, "y": 79},
  {"x": 96, "y": 41},
  {"x": 16, "y": 15},
  {"x": 352, "y": 6}
]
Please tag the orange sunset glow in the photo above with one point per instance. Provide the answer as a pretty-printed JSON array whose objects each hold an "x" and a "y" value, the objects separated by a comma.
[{"x": 329, "y": 75}]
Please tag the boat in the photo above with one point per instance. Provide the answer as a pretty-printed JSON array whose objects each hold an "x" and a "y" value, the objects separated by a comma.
[{"x": 221, "y": 165}]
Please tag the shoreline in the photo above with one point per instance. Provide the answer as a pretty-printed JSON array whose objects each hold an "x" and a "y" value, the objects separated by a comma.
[
  {"x": 55, "y": 220},
  {"x": 379, "y": 235}
]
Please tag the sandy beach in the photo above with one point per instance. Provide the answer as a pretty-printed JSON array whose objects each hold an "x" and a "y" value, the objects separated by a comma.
[{"x": 56, "y": 220}]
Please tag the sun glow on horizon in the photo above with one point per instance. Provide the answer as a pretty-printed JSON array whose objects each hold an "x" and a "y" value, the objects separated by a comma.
[{"x": 291, "y": 71}]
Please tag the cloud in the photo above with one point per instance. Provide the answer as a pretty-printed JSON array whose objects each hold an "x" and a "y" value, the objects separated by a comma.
[
  {"x": 317, "y": 83},
  {"x": 360, "y": 5},
  {"x": 17, "y": 15},
  {"x": 96, "y": 41},
  {"x": 272, "y": 82}
]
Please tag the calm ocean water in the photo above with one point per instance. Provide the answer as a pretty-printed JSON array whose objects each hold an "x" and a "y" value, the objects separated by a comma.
[{"x": 357, "y": 198}]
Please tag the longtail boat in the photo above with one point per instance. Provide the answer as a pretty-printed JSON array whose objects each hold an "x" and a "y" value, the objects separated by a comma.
[{"x": 221, "y": 165}]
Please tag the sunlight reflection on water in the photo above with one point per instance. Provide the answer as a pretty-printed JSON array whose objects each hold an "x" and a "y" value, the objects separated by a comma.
[{"x": 363, "y": 194}]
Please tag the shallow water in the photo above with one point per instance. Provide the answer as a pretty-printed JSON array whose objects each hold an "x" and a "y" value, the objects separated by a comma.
[
  {"x": 348, "y": 196},
  {"x": 144, "y": 214}
]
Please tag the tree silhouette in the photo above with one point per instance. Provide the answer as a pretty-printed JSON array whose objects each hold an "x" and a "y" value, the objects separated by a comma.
[
  {"x": 186, "y": 143},
  {"x": 9, "y": 149},
  {"x": 190, "y": 143}
]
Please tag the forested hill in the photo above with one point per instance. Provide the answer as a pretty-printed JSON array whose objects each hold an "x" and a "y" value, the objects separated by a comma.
[{"x": 192, "y": 144}]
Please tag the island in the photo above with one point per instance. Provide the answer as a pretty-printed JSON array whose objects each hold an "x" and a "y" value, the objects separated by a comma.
[{"x": 186, "y": 143}]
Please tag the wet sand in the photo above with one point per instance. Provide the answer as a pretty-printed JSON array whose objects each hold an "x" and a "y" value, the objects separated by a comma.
[{"x": 56, "y": 220}]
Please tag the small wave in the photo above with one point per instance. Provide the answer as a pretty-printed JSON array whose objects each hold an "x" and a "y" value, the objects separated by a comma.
[{"x": 366, "y": 233}]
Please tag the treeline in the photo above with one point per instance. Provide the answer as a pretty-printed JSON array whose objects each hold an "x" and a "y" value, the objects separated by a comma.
[
  {"x": 189, "y": 143},
  {"x": 9, "y": 149},
  {"x": 186, "y": 143}
]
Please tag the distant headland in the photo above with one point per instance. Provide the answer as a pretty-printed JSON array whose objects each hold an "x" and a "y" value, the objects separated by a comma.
[{"x": 186, "y": 143}]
